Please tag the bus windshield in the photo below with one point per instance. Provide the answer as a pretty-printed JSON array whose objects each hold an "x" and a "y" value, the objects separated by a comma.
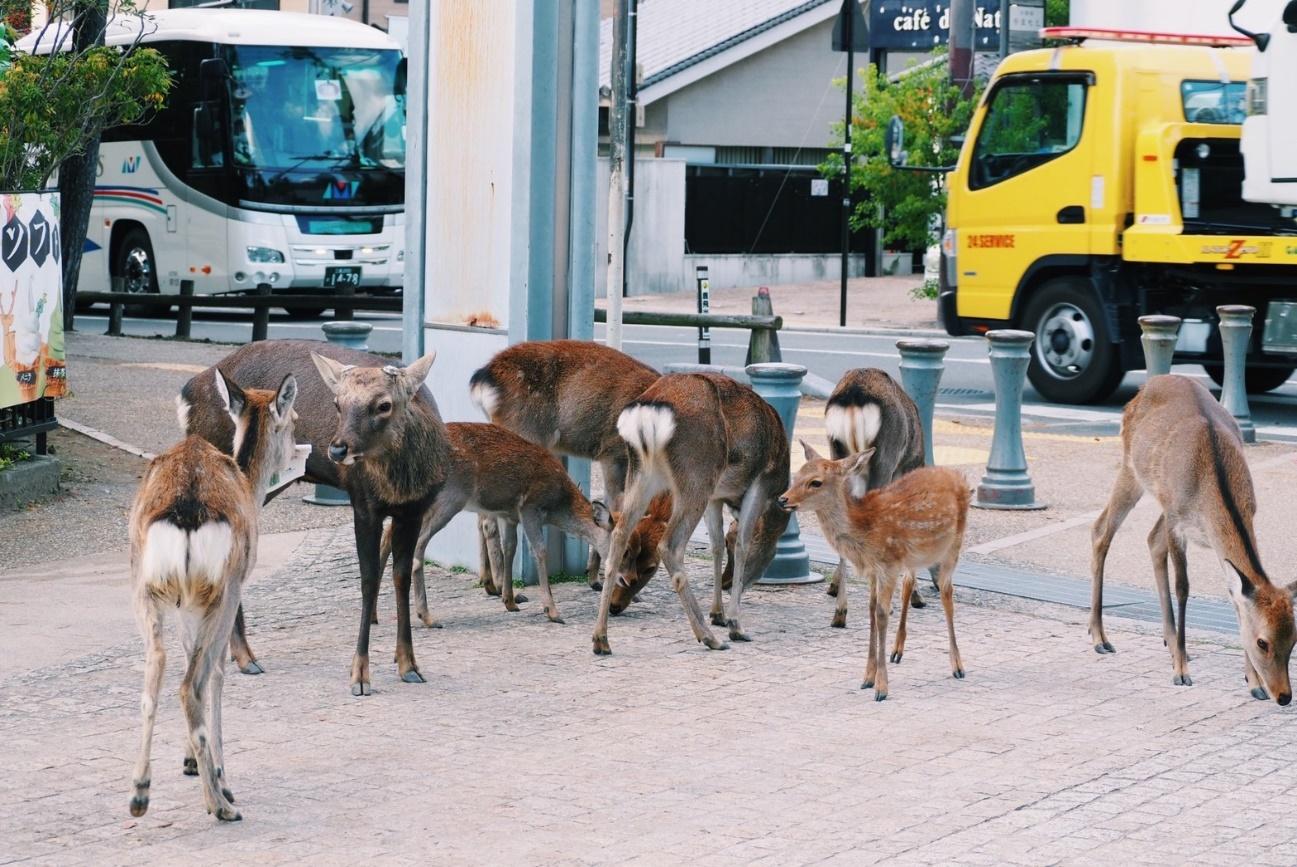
[{"x": 310, "y": 108}]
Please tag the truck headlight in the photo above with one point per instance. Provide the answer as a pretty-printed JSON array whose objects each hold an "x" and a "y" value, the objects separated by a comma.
[
  {"x": 1256, "y": 96},
  {"x": 264, "y": 254}
]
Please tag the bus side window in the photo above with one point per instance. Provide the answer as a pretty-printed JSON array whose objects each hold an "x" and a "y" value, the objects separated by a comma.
[{"x": 208, "y": 135}]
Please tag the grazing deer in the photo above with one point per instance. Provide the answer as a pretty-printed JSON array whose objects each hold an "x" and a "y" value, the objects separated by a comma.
[
  {"x": 264, "y": 364},
  {"x": 915, "y": 522},
  {"x": 508, "y": 480},
  {"x": 869, "y": 410},
  {"x": 566, "y": 395},
  {"x": 393, "y": 452},
  {"x": 710, "y": 442},
  {"x": 193, "y": 535},
  {"x": 1182, "y": 446}
]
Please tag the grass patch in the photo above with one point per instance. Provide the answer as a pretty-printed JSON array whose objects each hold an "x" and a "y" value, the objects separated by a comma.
[
  {"x": 559, "y": 578},
  {"x": 928, "y": 291},
  {"x": 10, "y": 455}
]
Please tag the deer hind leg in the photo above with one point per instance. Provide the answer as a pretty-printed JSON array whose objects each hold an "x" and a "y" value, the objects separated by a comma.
[
  {"x": 509, "y": 547},
  {"x": 186, "y": 629},
  {"x": 746, "y": 555},
  {"x": 871, "y": 665},
  {"x": 613, "y": 471},
  {"x": 405, "y": 534},
  {"x": 1159, "y": 550},
  {"x": 714, "y": 516},
  {"x": 198, "y": 690},
  {"x": 1125, "y": 494},
  {"x": 535, "y": 533},
  {"x": 835, "y": 582},
  {"x": 633, "y": 506},
  {"x": 838, "y": 588},
  {"x": 683, "y": 519},
  {"x": 488, "y": 537},
  {"x": 239, "y": 649},
  {"x": 148, "y": 613},
  {"x": 1179, "y": 562},
  {"x": 882, "y": 611},
  {"x": 907, "y": 590},
  {"x": 418, "y": 578},
  {"x": 946, "y": 584}
]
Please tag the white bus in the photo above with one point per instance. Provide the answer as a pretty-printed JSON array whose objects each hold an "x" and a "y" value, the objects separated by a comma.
[{"x": 279, "y": 158}]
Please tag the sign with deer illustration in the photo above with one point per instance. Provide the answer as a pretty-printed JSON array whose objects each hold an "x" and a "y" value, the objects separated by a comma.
[{"x": 31, "y": 284}]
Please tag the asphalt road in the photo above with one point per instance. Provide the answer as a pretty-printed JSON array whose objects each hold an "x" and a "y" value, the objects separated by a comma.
[{"x": 966, "y": 385}]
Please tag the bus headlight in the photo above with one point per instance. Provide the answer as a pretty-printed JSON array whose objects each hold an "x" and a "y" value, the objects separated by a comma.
[
  {"x": 264, "y": 254},
  {"x": 1256, "y": 96}
]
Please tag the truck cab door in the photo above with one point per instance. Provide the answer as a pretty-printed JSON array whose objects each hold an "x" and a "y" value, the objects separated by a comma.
[{"x": 1027, "y": 191}]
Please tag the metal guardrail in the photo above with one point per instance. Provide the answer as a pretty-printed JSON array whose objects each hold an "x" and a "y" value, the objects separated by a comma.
[{"x": 344, "y": 304}]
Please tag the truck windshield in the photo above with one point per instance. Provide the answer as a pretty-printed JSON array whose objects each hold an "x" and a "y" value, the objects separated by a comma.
[
  {"x": 297, "y": 107},
  {"x": 1214, "y": 101}
]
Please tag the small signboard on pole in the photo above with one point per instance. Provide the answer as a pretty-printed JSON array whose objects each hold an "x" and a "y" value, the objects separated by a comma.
[{"x": 704, "y": 307}]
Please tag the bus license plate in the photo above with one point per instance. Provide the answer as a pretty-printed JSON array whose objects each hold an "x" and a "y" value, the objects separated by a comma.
[{"x": 335, "y": 278}]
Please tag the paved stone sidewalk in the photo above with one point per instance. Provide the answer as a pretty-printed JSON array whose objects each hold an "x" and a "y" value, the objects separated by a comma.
[{"x": 523, "y": 748}]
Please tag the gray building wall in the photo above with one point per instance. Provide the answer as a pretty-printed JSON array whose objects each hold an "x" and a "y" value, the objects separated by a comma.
[{"x": 780, "y": 97}]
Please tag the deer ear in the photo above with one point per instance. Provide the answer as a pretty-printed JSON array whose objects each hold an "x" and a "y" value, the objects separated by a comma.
[
  {"x": 231, "y": 395},
  {"x": 417, "y": 372},
  {"x": 330, "y": 371},
  {"x": 811, "y": 454},
  {"x": 602, "y": 517},
  {"x": 285, "y": 396},
  {"x": 858, "y": 472},
  {"x": 1233, "y": 573}
]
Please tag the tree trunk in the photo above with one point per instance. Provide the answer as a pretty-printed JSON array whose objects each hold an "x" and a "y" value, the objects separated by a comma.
[{"x": 77, "y": 174}]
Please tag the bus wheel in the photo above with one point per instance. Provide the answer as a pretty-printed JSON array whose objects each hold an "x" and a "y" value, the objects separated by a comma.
[
  {"x": 1256, "y": 379},
  {"x": 134, "y": 263},
  {"x": 1072, "y": 358}
]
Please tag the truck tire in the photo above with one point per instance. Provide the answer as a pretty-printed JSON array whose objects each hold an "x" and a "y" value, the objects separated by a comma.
[
  {"x": 1073, "y": 360},
  {"x": 1257, "y": 379}
]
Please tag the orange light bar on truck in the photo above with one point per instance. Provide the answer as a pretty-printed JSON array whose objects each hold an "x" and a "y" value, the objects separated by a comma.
[{"x": 1078, "y": 34}]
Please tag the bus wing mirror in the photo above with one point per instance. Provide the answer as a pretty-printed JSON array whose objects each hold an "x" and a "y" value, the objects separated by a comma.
[
  {"x": 398, "y": 86},
  {"x": 212, "y": 75},
  {"x": 894, "y": 142}
]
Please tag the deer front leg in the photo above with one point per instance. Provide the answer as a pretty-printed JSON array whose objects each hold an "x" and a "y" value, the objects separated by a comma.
[
  {"x": 369, "y": 531},
  {"x": 636, "y": 501},
  {"x": 1254, "y": 684},
  {"x": 838, "y": 588},
  {"x": 907, "y": 589},
  {"x": 488, "y": 534},
  {"x": 535, "y": 533},
  {"x": 1125, "y": 494},
  {"x": 509, "y": 543},
  {"x": 418, "y": 577},
  {"x": 149, "y": 615},
  {"x": 240, "y": 652},
  {"x": 1159, "y": 550},
  {"x": 405, "y": 533},
  {"x": 946, "y": 584},
  {"x": 871, "y": 664},
  {"x": 1175, "y": 543},
  {"x": 883, "y": 610}
]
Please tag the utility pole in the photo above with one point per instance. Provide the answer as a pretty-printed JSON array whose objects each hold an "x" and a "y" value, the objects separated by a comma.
[
  {"x": 961, "y": 45},
  {"x": 632, "y": 114},
  {"x": 616, "y": 175},
  {"x": 1004, "y": 29},
  {"x": 850, "y": 34}
]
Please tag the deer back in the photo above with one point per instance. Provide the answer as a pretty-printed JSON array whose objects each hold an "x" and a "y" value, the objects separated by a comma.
[
  {"x": 507, "y": 471},
  {"x": 869, "y": 409}
]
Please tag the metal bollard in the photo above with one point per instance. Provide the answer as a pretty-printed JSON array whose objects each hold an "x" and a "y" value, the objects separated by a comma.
[
  {"x": 185, "y": 312},
  {"x": 345, "y": 312},
  {"x": 780, "y": 385},
  {"x": 1235, "y": 334},
  {"x": 921, "y": 367},
  {"x": 352, "y": 335},
  {"x": 1159, "y": 337},
  {"x": 116, "y": 285},
  {"x": 261, "y": 315},
  {"x": 763, "y": 343},
  {"x": 1006, "y": 484}
]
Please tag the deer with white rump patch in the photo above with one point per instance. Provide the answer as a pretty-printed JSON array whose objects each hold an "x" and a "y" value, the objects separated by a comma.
[
  {"x": 711, "y": 442},
  {"x": 1182, "y": 446},
  {"x": 193, "y": 535},
  {"x": 868, "y": 410},
  {"x": 915, "y": 522}
]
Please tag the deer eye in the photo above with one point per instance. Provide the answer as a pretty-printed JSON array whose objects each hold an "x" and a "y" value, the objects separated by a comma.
[
  {"x": 385, "y": 406},
  {"x": 1263, "y": 645},
  {"x": 815, "y": 483}
]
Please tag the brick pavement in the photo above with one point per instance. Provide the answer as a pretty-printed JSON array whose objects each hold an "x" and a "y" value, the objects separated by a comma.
[{"x": 523, "y": 748}]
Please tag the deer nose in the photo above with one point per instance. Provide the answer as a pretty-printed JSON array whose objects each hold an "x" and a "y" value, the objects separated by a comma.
[
  {"x": 783, "y": 504},
  {"x": 337, "y": 451},
  {"x": 1284, "y": 698}
]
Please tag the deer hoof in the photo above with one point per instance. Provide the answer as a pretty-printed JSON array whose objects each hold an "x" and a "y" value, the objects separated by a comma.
[
  {"x": 867, "y": 684},
  {"x": 412, "y": 676},
  {"x": 1260, "y": 694},
  {"x": 1182, "y": 680},
  {"x": 1104, "y": 647},
  {"x": 958, "y": 674},
  {"x": 139, "y": 805},
  {"x": 228, "y": 814},
  {"x": 553, "y": 616},
  {"x": 512, "y": 605},
  {"x": 718, "y": 619},
  {"x": 252, "y": 667},
  {"x": 916, "y": 601},
  {"x": 880, "y": 695},
  {"x": 601, "y": 647},
  {"x": 596, "y": 585},
  {"x": 361, "y": 688},
  {"x": 896, "y": 658},
  {"x": 839, "y": 620},
  {"x": 229, "y": 796},
  {"x": 491, "y": 589},
  {"x": 191, "y": 767},
  {"x": 428, "y": 622},
  {"x": 518, "y": 597},
  {"x": 737, "y": 634},
  {"x": 832, "y": 589},
  {"x": 715, "y": 644}
]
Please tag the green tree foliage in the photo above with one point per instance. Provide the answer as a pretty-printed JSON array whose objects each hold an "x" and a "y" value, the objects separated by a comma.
[
  {"x": 1056, "y": 13},
  {"x": 934, "y": 113},
  {"x": 55, "y": 105}
]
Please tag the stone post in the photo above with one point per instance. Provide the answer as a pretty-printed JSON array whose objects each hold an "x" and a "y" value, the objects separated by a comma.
[
  {"x": 1159, "y": 337},
  {"x": 353, "y": 335},
  {"x": 1006, "y": 484},
  {"x": 1235, "y": 335},
  {"x": 780, "y": 385},
  {"x": 922, "y": 363}
]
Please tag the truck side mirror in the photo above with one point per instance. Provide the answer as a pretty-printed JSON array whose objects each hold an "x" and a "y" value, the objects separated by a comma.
[
  {"x": 894, "y": 141},
  {"x": 1290, "y": 16},
  {"x": 1261, "y": 39}
]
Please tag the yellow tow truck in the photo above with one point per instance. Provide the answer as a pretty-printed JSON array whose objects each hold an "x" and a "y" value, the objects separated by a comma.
[{"x": 1101, "y": 180}]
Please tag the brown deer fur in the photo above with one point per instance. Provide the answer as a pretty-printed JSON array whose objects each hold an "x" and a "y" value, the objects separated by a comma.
[
  {"x": 193, "y": 537},
  {"x": 392, "y": 449},
  {"x": 1182, "y": 446},
  {"x": 915, "y": 522},
  {"x": 710, "y": 442}
]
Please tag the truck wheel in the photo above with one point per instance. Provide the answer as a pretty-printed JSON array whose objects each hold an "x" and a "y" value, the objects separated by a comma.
[
  {"x": 1257, "y": 379},
  {"x": 1072, "y": 358}
]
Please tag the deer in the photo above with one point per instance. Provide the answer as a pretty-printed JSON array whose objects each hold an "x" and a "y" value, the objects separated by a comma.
[
  {"x": 868, "y": 409},
  {"x": 565, "y": 395},
  {"x": 1182, "y": 446},
  {"x": 264, "y": 364},
  {"x": 710, "y": 442},
  {"x": 508, "y": 481},
  {"x": 915, "y": 522},
  {"x": 193, "y": 540}
]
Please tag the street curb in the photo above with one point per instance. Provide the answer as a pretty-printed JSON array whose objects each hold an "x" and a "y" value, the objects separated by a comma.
[{"x": 33, "y": 479}]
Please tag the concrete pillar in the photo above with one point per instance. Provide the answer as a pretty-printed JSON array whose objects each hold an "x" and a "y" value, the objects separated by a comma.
[
  {"x": 780, "y": 385},
  {"x": 1006, "y": 484},
  {"x": 1159, "y": 337},
  {"x": 1235, "y": 335},
  {"x": 922, "y": 363}
]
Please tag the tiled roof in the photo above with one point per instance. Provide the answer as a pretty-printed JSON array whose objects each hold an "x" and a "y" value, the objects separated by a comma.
[{"x": 673, "y": 35}]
